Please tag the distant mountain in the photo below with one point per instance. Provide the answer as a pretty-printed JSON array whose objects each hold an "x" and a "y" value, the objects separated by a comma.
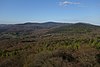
[
  {"x": 77, "y": 27},
  {"x": 5, "y": 27},
  {"x": 44, "y": 25},
  {"x": 55, "y": 26},
  {"x": 25, "y": 27}
]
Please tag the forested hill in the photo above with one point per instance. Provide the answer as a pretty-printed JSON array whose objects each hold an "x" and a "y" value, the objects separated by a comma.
[
  {"x": 77, "y": 27},
  {"x": 49, "y": 44},
  {"x": 47, "y": 25},
  {"x": 30, "y": 26}
]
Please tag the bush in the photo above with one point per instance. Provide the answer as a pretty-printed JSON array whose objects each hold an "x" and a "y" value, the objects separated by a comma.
[
  {"x": 98, "y": 58},
  {"x": 56, "y": 58}
]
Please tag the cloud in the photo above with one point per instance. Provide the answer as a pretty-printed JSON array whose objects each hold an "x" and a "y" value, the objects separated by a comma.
[{"x": 65, "y": 3}]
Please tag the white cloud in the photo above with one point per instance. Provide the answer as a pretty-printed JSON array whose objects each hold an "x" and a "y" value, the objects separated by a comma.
[{"x": 65, "y": 3}]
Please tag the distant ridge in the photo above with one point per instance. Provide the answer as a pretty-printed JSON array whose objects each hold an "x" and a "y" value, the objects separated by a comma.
[
  {"x": 30, "y": 26},
  {"x": 43, "y": 22},
  {"x": 76, "y": 27},
  {"x": 81, "y": 23}
]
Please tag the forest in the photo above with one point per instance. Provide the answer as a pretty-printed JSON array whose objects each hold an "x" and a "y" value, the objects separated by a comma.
[{"x": 49, "y": 44}]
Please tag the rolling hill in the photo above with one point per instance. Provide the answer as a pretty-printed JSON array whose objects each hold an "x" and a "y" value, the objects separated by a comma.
[{"x": 49, "y": 44}]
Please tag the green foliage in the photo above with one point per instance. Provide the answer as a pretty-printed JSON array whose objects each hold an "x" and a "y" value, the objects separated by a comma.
[
  {"x": 96, "y": 44},
  {"x": 6, "y": 53}
]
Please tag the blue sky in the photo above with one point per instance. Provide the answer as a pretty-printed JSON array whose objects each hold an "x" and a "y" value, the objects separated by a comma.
[{"x": 20, "y": 11}]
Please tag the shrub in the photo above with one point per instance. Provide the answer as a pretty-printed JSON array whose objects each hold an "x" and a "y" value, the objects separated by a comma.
[{"x": 98, "y": 58}]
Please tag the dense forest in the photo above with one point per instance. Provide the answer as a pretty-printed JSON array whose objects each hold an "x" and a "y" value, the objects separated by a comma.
[{"x": 49, "y": 44}]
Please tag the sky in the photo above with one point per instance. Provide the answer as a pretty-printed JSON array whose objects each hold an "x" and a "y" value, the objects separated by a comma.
[{"x": 68, "y": 11}]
